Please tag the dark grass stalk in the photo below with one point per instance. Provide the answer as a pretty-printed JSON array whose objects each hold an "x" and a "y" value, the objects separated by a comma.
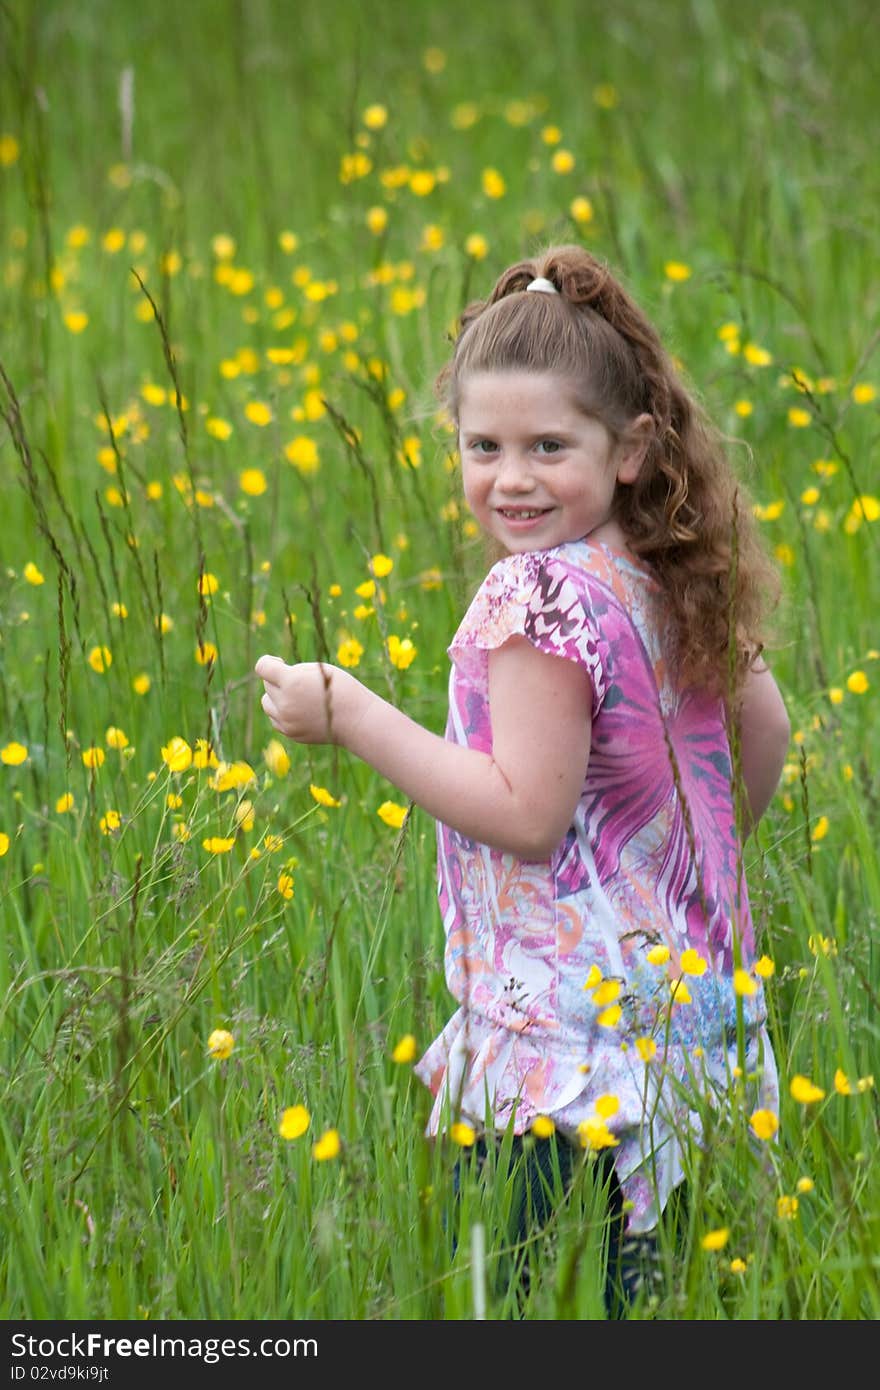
[
  {"x": 12, "y": 416},
  {"x": 171, "y": 366},
  {"x": 352, "y": 445}
]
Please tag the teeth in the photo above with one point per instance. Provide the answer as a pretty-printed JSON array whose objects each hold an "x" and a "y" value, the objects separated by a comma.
[{"x": 521, "y": 516}]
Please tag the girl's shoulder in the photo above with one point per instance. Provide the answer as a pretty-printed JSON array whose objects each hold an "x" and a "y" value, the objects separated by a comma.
[{"x": 584, "y": 563}]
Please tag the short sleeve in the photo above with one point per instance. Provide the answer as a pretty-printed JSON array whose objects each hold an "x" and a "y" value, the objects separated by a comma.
[{"x": 542, "y": 597}]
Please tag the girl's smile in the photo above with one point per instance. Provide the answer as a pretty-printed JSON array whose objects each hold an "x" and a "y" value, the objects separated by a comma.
[{"x": 536, "y": 470}]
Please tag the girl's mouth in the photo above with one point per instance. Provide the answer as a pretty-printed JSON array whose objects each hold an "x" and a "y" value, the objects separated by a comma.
[{"x": 515, "y": 514}]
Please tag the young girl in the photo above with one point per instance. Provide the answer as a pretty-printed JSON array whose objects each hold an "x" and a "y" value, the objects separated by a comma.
[{"x": 613, "y": 734}]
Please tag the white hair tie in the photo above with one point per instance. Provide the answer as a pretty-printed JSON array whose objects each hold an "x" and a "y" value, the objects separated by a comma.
[{"x": 545, "y": 286}]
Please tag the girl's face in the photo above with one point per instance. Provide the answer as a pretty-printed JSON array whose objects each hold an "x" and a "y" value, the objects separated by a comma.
[{"x": 536, "y": 470}]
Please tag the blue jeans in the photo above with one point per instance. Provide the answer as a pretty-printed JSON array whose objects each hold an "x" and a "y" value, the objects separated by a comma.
[{"x": 533, "y": 1166}]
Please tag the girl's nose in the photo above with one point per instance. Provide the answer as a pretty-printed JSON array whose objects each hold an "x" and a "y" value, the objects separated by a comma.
[{"x": 514, "y": 474}]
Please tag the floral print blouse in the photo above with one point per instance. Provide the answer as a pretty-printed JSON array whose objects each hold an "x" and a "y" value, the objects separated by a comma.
[{"x": 596, "y": 987}]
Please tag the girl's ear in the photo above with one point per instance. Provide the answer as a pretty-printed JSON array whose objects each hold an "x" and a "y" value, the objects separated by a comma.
[{"x": 632, "y": 449}]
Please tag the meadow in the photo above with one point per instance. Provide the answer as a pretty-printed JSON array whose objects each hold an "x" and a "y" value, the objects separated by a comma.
[{"x": 234, "y": 240}]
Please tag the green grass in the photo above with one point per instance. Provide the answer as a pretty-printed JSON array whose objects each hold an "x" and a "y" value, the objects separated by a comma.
[{"x": 140, "y": 1177}]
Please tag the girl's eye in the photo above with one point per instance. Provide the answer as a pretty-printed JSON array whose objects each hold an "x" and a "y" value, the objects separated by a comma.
[
  {"x": 484, "y": 446},
  {"x": 550, "y": 446}
]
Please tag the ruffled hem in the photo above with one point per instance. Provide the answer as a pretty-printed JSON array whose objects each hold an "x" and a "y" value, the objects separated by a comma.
[{"x": 492, "y": 1077}]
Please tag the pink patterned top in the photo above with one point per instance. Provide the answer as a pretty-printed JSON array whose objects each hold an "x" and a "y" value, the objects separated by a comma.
[{"x": 560, "y": 1005}]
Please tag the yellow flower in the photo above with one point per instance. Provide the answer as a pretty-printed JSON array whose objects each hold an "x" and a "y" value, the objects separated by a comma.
[
  {"x": 863, "y": 392},
  {"x": 322, "y": 796},
  {"x": 764, "y": 967},
  {"x": 154, "y": 394},
  {"x": 285, "y": 885},
  {"x": 744, "y": 409},
  {"x": 375, "y": 116},
  {"x": 302, "y": 452},
  {"x": 422, "y": 182},
  {"x": 715, "y": 1240},
  {"x": 75, "y": 321},
  {"x": 609, "y": 1018},
  {"x": 562, "y": 161},
  {"x": 392, "y": 814},
  {"x": 4, "y": 843},
  {"x": 295, "y": 1120},
  {"x": 738, "y": 1266},
  {"x": 805, "y": 1185},
  {"x": 349, "y": 652},
  {"x": 594, "y": 977},
  {"x": 252, "y": 481},
  {"x": 764, "y": 1124},
  {"x": 13, "y": 754},
  {"x": 112, "y": 820},
  {"x": 646, "y": 1048},
  {"x": 606, "y": 1106},
  {"x": 208, "y": 584},
  {"x": 116, "y": 738},
  {"x": 220, "y": 1044},
  {"x": 259, "y": 413},
  {"x": 377, "y": 220},
  {"x": 9, "y": 149},
  {"x": 217, "y": 428},
  {"x": 771, "y": 512},
  {"x": 493, "y": 184},
  {"x": 462, "y": 1134},
  {"x": 758, "y": 356},
  {"x": 218, "y": 844},
  {"x": 605, "y": 96},
  {"x": 606, "y": 993},
  {"x": 692, "y": 963},
  {"x": 206, "y": 653},
  {"x": 229, "y": 776},
  {"x": 822, "y": 945},
  {"x": 64, "y": 803},
  {"x": 804, "y": 1091},
  {"x": 677, "y": 270},
  {"x": 820, "y": 829},
  {"x": 581, "y": 210},
  {"x": 798, "y": 417},
  {"x": 276, "y": 758},
  {"x": 405, "y": 1050},
  {"x": 177, "y": 754},
  {"x": 658, "y": 955},
  {"x": 204, "y": 755},
  {"x": 381, "y": 566},
  {"x": 477, "y": 246},
  {"x": 864, "y": 508},
  {"x": 32, "y": 574},
  {"x": 786, "y": 1208},
  {"x": 401, "y": 652},
  {"x": 543, "y": 1127},
  {"x": 595, "y": 1135},
  {"x": 841, "y": 1083},
  {"x": 743, "y": 984},
  {"x": 327, "y": 1147},
  {"x": 99, "y": 659},
  {"x": 857, "y": 683}
]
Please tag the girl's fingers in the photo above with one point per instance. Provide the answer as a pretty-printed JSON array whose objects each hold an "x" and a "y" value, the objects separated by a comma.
[{"x": 269, "y": 669}]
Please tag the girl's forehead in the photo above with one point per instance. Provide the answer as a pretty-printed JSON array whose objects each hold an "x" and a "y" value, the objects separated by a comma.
[{"x": 522, "y": 395}]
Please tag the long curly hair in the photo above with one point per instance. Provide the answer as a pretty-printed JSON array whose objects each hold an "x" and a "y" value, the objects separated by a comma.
[{"x": 687, "y": 514}]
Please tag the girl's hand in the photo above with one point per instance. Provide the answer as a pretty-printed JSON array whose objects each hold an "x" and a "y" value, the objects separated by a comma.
[{"x": 309, "y": 702}]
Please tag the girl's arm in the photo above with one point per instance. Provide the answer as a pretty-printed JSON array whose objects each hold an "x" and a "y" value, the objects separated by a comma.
[
  {"x": 764, "y": 733},
  {"x": 520, "y": 798}
]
